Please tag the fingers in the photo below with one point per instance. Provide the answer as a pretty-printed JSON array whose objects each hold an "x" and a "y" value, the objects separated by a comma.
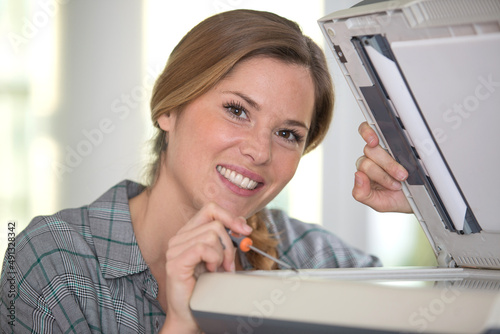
[
  {"x": 376, "y": 174},
  {"x": 379, "y": 161},
  {"x": 378, "y": 197},
  {"x": 212, "y": 235},
  {"x": 185, "y": 264},
  {"x": 366, "y": 191},
  {"x": 362, "y": 190},
  {"x": 379, "y": 176},
  {"x": 368, "y": 134},
  {"x": 376, "y": 153},
  {"x": 208, "y": 227},
  {"x": 182, "y": 271},
  {"x": 381, "y": 168},
  {"x": 213, "y": 212}
]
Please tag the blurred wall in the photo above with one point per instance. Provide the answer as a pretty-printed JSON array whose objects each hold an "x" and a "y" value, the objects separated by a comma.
[
  {"x": 343, "y": 146},
  {"x": 99, "y": 123}
]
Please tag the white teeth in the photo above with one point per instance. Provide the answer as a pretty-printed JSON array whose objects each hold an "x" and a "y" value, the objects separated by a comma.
[
  {"x": 237, "y": 179},
  {"x": 245, "y": 182},
  {"x": 252, "y": 184}
]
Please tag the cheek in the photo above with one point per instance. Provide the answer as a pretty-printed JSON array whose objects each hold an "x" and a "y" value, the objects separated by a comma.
[
  {"x": 210, "y": 135},
  {"x": 286, "y": 166},
  {"x": 220, "y": 128}
]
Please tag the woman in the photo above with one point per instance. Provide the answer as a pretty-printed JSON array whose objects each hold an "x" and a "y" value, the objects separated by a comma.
[{"x": 243, "y": 96}]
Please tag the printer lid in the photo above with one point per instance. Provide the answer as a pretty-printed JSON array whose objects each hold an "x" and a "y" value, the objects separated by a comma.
[{"x": 426, "y": 75}]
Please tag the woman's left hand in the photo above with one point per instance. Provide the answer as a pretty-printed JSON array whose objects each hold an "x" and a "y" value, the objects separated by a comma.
[{"x": 378, "y": 179}]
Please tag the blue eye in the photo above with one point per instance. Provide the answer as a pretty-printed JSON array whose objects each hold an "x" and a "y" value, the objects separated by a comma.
[{"x": 236, "y": 110}]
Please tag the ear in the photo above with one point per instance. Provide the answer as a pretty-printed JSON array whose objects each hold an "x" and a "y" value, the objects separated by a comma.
[{"x": 166, "y": 121}]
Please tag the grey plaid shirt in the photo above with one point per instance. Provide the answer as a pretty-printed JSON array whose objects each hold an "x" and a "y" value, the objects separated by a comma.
[{"x": 81, "y": 270}]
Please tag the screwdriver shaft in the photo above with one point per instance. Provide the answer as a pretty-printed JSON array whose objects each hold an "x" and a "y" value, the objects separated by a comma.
[{"x": 281, "y": 263}]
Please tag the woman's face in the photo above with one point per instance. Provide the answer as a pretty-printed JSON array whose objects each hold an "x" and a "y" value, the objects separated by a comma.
[{"x": 239, "y": 144}]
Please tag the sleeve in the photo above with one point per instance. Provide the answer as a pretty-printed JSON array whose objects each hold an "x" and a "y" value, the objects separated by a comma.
[
  {"x": 31, "y": 298},
  {"x": 21, "y": 301},
  {"x": 310, "y": 246}
]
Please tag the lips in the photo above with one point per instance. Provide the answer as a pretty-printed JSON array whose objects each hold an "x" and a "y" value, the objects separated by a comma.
[{"x": 237, "y": 179}]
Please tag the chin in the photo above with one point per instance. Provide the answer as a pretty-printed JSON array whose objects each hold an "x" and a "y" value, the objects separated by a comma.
[{"x": 238, "y": 211}]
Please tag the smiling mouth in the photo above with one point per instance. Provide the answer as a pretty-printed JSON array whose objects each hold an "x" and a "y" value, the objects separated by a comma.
[{"x": 238, "y": 180}]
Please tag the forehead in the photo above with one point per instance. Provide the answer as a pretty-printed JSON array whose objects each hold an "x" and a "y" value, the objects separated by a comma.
[{"x": 280, "y": 86}]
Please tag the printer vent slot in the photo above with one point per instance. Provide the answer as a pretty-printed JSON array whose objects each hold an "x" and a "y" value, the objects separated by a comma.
[
  {"x": 467, "y": 261},
  {"x": 431, "y": 13},
  {"x": 476, "y": 284}
]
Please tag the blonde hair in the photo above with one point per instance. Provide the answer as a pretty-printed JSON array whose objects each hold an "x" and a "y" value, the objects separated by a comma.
[{"x": 208, "y": 53}]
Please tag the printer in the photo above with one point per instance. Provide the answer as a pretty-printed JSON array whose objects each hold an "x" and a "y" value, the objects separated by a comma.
[{"x": 426, "y": 75}]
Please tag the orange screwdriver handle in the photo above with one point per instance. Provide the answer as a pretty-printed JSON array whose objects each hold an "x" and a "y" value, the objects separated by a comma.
[{"x": 240, "y": 241}]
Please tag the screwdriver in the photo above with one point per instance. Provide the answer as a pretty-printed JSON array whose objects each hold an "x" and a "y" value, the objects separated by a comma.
[{"x": 245, "y": 244}]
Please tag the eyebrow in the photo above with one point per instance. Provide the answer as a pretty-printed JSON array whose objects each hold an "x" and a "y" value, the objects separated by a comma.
[
  {"x": 292, "y": 122},
  {"x": 245, "y": 97},
  {"x": 256, "y": 106}
]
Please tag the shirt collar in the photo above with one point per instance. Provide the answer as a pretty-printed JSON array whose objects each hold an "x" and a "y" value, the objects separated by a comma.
[{"x": 113, "y": 234}]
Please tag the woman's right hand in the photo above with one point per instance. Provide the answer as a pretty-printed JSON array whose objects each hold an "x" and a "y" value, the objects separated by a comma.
[{"x": 203, "y": 242}]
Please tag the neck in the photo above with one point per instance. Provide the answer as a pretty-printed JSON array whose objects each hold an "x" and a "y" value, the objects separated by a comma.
[{"x": 157, "y": 216}]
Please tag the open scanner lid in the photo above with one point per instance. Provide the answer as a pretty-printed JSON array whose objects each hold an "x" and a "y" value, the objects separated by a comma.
[{"x": 426, "y": 74}]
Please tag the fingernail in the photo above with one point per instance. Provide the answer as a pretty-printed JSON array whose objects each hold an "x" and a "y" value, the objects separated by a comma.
[
  {"x": 247, "y": 228},
  {"x": 402, "y": 175},
  {"x": 232, "y": 268},
  {"x": 396, "y": 185}
]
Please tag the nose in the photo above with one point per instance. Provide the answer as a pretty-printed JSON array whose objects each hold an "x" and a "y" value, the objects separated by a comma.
[{"x": 257, "y": 146}]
